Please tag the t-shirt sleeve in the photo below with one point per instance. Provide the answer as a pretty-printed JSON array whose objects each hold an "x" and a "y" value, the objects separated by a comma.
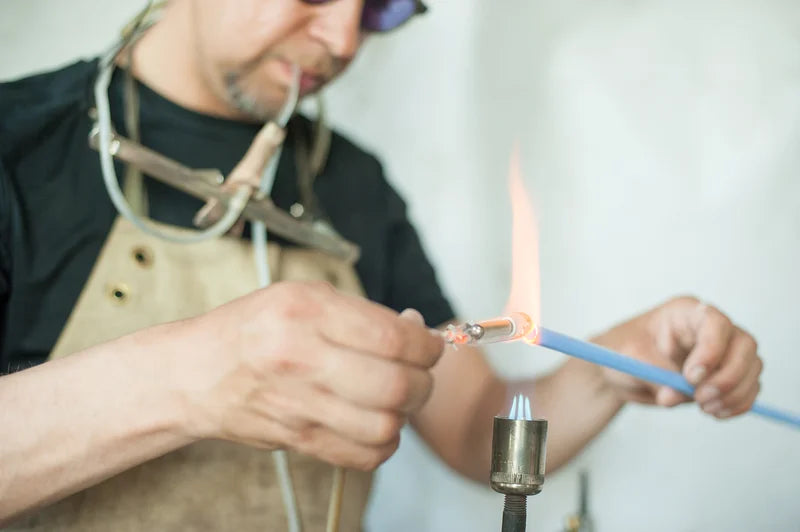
[
  {"x": 412, "y": 279},
  {"x": 5, "y": 246}
]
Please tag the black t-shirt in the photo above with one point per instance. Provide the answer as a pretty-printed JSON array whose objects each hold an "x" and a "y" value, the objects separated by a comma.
[{"x": 55, "y": 213}]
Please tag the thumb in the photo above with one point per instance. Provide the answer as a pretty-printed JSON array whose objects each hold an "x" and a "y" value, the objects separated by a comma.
[
  {"x": 666, "y": 396},
  {"x": 413, "y": 316}
]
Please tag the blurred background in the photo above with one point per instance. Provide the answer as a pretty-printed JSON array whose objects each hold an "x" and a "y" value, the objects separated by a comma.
[{"x": 661, "y": 144}]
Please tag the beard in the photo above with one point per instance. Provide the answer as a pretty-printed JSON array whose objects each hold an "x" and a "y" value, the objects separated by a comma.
[
  {"x": 250, "y": 99},
  {"x": 246, "y": 103}
]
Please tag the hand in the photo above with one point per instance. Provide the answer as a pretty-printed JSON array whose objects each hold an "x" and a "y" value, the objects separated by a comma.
[
  {"x": 303, "y": 367},
  {"x": 698, "y": 340}
]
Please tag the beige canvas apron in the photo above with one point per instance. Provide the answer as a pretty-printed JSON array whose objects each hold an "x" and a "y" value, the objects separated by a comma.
[{"x": 139, "y": 281}]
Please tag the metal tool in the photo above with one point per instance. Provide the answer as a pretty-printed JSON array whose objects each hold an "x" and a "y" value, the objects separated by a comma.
[
  {"x": 581, "y": 521},
  {"x": 515, "y": 326},
  {"x": 205, "y": 184}
]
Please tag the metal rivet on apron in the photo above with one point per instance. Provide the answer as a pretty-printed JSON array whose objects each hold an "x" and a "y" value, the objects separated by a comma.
[
  {"x": 118, "y": 293},
  {"x": 297, "y": 210},
  {"x": 143, "y": 256}
]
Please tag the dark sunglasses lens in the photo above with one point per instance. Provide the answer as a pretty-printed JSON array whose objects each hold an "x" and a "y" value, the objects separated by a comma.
[
  {"x": 382, "y": 15},
  {"x": 385, "y": 15}
]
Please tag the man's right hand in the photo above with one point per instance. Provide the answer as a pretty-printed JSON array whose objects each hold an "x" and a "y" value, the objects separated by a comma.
[{"x": 303, "y": 367}]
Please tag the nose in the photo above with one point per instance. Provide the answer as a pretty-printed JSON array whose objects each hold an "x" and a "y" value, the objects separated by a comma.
[{"x": 338, "y": 26}]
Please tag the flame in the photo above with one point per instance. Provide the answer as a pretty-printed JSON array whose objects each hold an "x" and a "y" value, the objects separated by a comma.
[
  {"x": 525, "y": 285},
  {"x": 521, "y": 408}
]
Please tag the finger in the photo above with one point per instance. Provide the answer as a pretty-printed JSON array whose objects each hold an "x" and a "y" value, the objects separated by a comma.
[
  {"x": 362, "y": 425},
  {"x": 368, "y": 327},
  {"x": 664, "y": 395},
  {"x": 743, "y": 402},
  {"x": 740, "y": 399},
  {"x": 373, "y": 382},
  {"x": 670, "y": 397},
  {"x": 746, "y": 404},
  {"x": 719, "y": 410},
  {"x": 737, "y": 396},
  {"x": 413, "y": 316},
  {"x": 645, "y": 392},
  {"x": 324, "y": 444},
  {"x": 714, "y": 333},
  {"x": 298, "y": 406},
  {"x": 645, "y": 397},
  {"x": 741, "y": 355},
  {"x": 328, "y": 446}
]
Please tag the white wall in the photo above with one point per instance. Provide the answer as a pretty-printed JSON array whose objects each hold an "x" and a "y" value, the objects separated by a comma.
[{"x": 661, "y": 141}]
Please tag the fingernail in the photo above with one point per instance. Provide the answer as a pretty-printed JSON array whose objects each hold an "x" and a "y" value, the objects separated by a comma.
[
  {"x": 697, "y": 374},
  {"x": 412, "y": 315},
  {"x": 409, "y": 312},
  {"x": 722, "y": 414},
  {"x": 706, "y": 393},
  {"x": 713, "y": 407}
]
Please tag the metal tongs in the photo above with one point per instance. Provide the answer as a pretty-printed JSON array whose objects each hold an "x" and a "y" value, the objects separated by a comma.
[{"x": 205, "y": 184}]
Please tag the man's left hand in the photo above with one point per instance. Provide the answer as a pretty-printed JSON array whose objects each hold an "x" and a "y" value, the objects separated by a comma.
[{"x": 697, "y": 340}]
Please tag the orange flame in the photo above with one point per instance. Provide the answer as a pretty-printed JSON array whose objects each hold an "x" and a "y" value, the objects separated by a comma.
[{"x": 525, "y": 285}]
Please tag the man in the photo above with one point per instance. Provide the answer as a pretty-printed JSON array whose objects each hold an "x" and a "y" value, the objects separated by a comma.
[{"x": 298, "y": 365}]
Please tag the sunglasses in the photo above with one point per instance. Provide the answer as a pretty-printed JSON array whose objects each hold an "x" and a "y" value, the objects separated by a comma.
[{"x": 385, "y": 15}]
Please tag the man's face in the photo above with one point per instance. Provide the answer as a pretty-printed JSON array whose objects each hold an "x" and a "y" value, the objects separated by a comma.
[{"x": 245, "y": 48}]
